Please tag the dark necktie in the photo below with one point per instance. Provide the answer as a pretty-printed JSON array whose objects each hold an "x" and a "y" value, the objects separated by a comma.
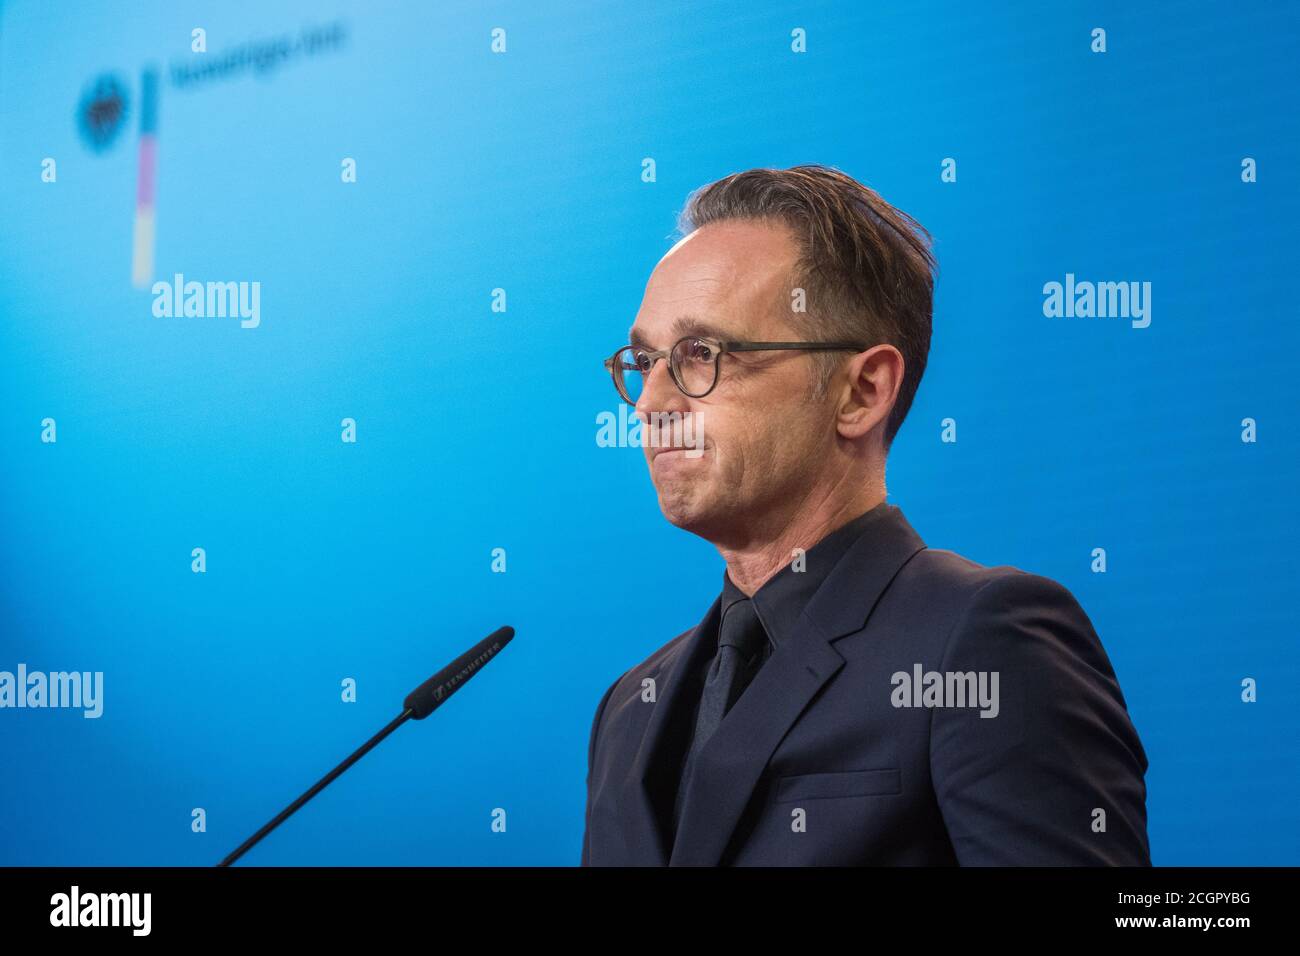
[{"x": 740, "y": 646}]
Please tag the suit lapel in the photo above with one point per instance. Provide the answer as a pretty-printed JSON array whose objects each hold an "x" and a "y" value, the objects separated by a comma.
[
  {"x": 652, "y": 783},
  {"x": 732, "y": 761},
  {"x": 728, "y": 767}
]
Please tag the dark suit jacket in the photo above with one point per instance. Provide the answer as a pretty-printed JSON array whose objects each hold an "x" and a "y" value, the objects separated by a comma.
[{"x": 815, "y": 765}]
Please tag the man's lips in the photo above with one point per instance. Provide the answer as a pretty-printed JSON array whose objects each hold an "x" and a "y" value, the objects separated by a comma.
[{"x": 689, "y": 451}]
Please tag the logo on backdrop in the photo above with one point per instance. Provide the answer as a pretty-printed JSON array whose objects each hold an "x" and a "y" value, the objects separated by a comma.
[{"x": 102, "y": 112}]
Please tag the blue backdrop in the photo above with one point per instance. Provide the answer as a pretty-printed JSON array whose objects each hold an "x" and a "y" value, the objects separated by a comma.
[{"x": 524, "y": 171}]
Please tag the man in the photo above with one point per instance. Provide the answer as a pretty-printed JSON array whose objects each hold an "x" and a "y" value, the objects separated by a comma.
[{"x": 852, "y": 696}]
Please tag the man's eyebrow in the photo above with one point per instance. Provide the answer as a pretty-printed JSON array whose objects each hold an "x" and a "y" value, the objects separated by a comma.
[
  {"x": 682, "y": 325},
  {"x": 693, "y": 325}
]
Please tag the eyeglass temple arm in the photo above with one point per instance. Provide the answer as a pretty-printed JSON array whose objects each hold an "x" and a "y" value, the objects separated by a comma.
[
  {"x": 806, "y": 346},
  {"x": 608, "y": 363}
]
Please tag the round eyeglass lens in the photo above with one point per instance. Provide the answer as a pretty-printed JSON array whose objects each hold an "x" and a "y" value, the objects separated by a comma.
[
  {"x": 629, "y": 365},
  {"x": 696, "y": 362}
]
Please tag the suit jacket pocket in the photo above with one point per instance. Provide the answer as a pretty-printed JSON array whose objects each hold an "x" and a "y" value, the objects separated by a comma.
[{"x": 849, "y": 783}]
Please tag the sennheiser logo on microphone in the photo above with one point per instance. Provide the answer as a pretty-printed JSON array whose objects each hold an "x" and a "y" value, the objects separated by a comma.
[
  {"x": 443, "y": 689},
  {"x": 102, "y": 909}
]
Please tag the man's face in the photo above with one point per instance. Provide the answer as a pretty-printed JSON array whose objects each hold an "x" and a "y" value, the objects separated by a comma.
[{"x": 763, "y": 434}]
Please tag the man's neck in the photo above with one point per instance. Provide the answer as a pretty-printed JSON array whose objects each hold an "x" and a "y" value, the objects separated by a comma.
[{"x": 752, "y": 564}]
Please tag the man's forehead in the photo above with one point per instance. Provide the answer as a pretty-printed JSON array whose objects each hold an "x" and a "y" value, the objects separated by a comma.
[
  {"x": 737, "y": 237},
  {"x": 687, "y": 299},
  {"x": 721, "y": 280},
  {"x": 718, "y": 264},
  {"x": 709, "y": 275}
]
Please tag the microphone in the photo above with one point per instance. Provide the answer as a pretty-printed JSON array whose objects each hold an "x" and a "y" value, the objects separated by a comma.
[{"x": 419, "y": 704}]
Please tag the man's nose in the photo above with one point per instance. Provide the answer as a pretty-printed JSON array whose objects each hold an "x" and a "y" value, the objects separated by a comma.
[{"x": 659, "y": 393}]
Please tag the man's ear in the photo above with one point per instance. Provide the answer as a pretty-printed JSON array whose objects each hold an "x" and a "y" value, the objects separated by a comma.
[{"x": 869, "y": 389}]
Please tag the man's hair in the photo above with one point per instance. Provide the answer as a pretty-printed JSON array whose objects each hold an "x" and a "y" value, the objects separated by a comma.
[{"x": 866, "y": 268}]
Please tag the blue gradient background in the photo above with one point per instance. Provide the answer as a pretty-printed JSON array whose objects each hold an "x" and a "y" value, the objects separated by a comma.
[{"x": 477, "y": 430}]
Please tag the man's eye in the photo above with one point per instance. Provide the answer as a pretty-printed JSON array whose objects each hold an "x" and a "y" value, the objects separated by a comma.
[{"x": 699, "y": 351}]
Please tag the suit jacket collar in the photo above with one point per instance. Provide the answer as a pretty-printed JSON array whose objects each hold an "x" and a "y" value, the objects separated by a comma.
[
  {"x": 730, "y": 764},
  {"x": 781, "y": 600}
]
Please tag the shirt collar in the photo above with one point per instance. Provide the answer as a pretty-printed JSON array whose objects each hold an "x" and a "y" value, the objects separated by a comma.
[{"x": 782, "y": 598}]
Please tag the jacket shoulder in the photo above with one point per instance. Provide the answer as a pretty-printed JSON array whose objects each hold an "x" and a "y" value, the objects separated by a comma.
[
  {"x": 955, "y": 574},
  {"x": 653, "y": 664},
  {"x": 962, "y": 587}
]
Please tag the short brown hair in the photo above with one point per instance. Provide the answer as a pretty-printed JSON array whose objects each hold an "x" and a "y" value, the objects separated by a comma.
[{"x": 866, "y": 268}]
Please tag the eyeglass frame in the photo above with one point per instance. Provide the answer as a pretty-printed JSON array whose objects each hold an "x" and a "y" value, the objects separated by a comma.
[{"x": 721, "y": 347}]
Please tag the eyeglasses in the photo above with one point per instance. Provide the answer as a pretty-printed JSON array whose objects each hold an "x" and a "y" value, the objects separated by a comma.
[{"x": 693, "y": 362}]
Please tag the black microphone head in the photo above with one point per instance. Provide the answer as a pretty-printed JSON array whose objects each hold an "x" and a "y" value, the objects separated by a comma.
[{"x": 426, "y": 698}]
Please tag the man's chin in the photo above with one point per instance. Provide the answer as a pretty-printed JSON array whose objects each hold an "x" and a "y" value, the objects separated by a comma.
[
  {"x": 678, "y": 509},
  {"x": 686, "y": 511}
]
